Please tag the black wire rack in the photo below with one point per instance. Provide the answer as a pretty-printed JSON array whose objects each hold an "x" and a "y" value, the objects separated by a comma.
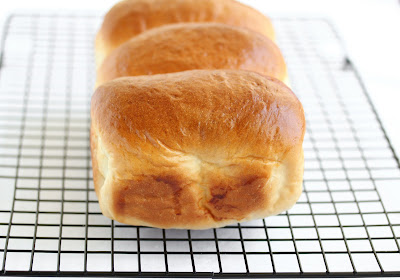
[{"x": 346, "y": 223}]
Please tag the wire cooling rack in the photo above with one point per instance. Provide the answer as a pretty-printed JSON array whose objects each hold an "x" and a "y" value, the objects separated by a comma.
[{"x": 50, "y": 221}]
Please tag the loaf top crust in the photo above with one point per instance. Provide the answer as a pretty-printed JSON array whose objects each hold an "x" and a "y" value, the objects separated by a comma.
[
  {"x": 131, "y": 17},
  {"x": 187, "y": 46},
  {"x": 216, "y": 114}
]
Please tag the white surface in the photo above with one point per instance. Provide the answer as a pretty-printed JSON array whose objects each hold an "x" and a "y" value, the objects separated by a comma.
[
  {"x": 377, "y": 61},
  {"x": 369, "y": 28}
]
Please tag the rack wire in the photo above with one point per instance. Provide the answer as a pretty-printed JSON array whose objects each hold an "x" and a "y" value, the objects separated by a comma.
[{"x": 346, "y": 223}]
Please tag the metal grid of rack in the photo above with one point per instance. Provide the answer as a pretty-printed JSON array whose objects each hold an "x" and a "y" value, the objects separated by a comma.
[{"x": 51, "y": 224}]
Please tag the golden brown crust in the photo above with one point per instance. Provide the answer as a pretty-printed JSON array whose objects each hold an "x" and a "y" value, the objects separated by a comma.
[
  {"x": 131, "y": 17},
  {"x": 196, "y": 149},
  {"x": 179, "y": 47}
]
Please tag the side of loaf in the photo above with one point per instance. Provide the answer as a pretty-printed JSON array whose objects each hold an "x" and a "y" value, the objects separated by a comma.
[
  {"x": 187, "y": 46},
  {"x": 129, "y": 18},
  {"x": 196, "y": 149}
]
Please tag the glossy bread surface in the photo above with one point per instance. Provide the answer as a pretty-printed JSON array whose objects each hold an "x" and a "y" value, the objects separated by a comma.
[
  {"x": 128, "y": 18},
  {"x": 196, "y": 149},
  {"x": 179, "y": 47}
]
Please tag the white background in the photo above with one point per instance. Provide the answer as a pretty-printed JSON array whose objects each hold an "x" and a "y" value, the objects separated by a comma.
[{"x": 370, "y": 29}]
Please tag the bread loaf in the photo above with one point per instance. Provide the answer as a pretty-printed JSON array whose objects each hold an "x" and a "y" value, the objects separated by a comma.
[
  {"x": 196, "y": 149},
  {"x": 183, "y": 46},
  {"x": 131, "y": 17}
]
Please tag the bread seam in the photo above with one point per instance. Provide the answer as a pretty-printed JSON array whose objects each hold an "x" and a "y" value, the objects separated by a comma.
[
  {"x": 215, "y": 164},
  {"x": 103, "y": 188}
]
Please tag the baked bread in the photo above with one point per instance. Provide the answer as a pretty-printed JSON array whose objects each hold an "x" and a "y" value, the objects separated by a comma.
[
  {"x": 196, "y": 149},
  {"x": 187, "y": 46},
  {"x": 131, "y": 17}
]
